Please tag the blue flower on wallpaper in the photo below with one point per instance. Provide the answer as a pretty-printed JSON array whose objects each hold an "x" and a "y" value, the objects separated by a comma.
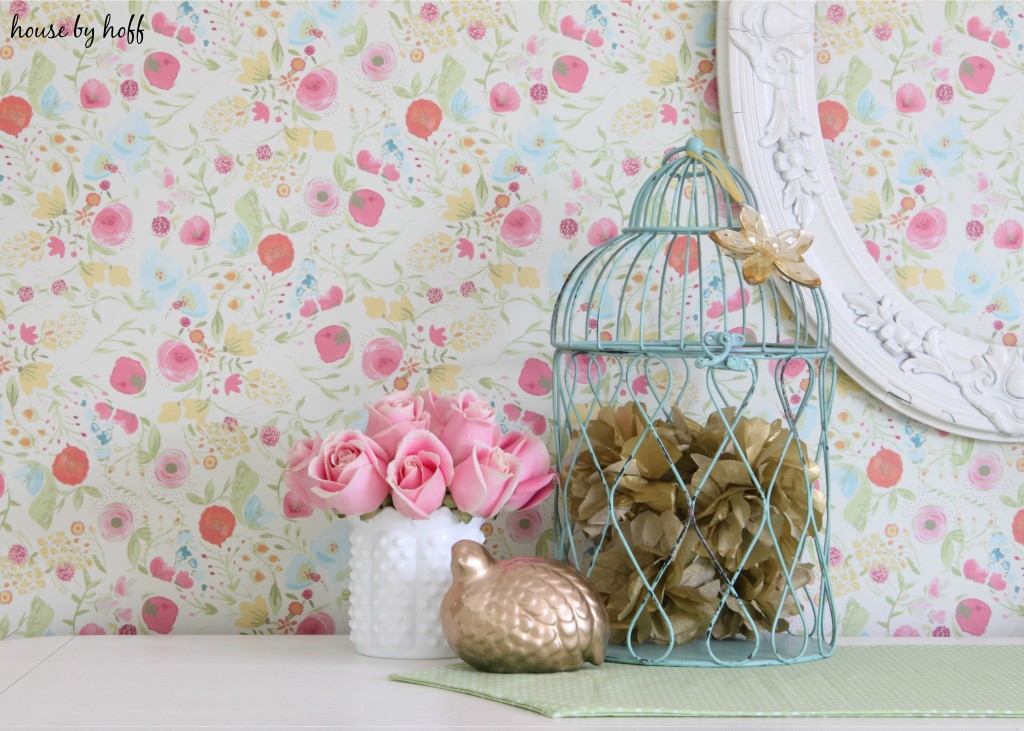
[
  {"x": 972, "y": 278},
  {"x": 301, "y": 29},
  {"x": 846, "y": 479},
  {"x": 559, "y": 267},
  {"x": 539, "y": 141},
  {"x": 911, "y": 168},
  {"x": 160, "y": 276},
  {"x": 51, "y": 105},
  {"x": 706, "y": 31},
  {"x": 1006, "y": 303},
  {"x": 946, "y": 143},
  {"x": 297, "y": 575},
  {"x": 505, "y": 167},
  {"x": 237, "y": 241},
  {"x": 96, "y": 164},
  {"x": 868, "y": 109},
  {"x": 461, "y": 108},
  {"x": 31, "y": 476},
  {"x": 194, "y": 301},
  {"x": 332, "y": 547},
  {"x": 337, "y": 13},
  {"x": 130, "y": 140},
  {"x": 255, "y": 515}
]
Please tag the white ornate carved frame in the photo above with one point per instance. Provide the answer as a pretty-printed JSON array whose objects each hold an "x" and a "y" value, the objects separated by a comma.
[{"x": 894, "y": 350}]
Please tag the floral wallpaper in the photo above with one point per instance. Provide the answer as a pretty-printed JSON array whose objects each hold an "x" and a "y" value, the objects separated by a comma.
[{"x": 234, "y": 232}]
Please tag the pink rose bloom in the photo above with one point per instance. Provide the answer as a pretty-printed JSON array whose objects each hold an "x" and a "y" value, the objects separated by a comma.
[
  {"x": 909, "y": 98},
  {"x": 536, "y": 478},
  {"x": 195, "y": 232},
  {"x": 393, "y": 417},
  {"x": 318, "y": 623},
  {"x": 112, "y": 225},
  {"x": 349, "y": 470},
  {"x": 927, "y": 229},
  {"x": 378, "y": 61},
  {"x": 177, "y": 361},
  {"x": 171, "y": 468},
  {"x": 1009, "y": 235},
  {"x": 381, "y": 358},
  {"x": 601, "y": 230},
  {"x": 419, "y": 474},
  {"x": 297, "y": 478},
  {"x": 521, "y": 227},
  {"x": 504, "y": 98},
  {"x": 94, "y": 94},
  {"x": 116, "y": 521},
  {"x": 92, "y": 629},
  {"x": 317, "y": 90},
  {"x": 322, "y": 197},
  {"x": 485, "y": 480},
  {"x": 467, "y": 419}
]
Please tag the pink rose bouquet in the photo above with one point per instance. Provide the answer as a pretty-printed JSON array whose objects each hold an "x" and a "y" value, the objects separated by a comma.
[{"x": 419, "y": 453}]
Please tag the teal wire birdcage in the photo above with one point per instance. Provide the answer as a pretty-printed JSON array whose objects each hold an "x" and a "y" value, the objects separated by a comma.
[{"x": 707, "y": 534}]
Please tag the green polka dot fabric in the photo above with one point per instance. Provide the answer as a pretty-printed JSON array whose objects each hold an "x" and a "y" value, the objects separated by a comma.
[{"x": 856, "y": 681}]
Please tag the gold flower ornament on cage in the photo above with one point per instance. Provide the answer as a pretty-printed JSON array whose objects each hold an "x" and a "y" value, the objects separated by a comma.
[{"x": 762, "y": 252}]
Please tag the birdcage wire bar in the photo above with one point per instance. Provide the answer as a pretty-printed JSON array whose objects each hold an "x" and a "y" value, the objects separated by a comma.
[{"x": 601, "y": 354}]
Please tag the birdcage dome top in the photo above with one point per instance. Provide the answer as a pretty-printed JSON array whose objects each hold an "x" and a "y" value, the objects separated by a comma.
[{"x": 664, "y": 286}]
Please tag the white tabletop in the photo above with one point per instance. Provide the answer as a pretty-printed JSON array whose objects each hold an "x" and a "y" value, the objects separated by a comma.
[{"x": 286, "y": 683}]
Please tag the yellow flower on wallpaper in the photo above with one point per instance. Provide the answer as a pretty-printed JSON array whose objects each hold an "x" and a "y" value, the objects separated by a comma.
[
  {"x": 297, "y": 138},
  {"x": 527, "y": 277},
  {"x": 375, "y": 307},
  {"x": 170, "y": 412},
  {"x": 238, "y": 342},
  {"x": 119, "y": 277},
  {"x": 255, "y": 70},
  {"x": 442, "y": 378},
  {"x": 323, "y": 141},
  {"x": 934, "y": 279},
  {"x": 461, "y": 206},
  {"x": 502, "y": 274},
  {"x": 664, "y": 72},
  {"x": 196, "y": 409},
  {"x": 401, "y": 310},
  {"x": 51, "y": 205},
  {"x": 33, "y": 376},
  {"x": 254, "y": 614},
  {"x": 92, "y": 273},
  {"x": 866, "y": 209}
]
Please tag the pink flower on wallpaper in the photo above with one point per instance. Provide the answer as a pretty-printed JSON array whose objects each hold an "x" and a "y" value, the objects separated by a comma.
[
  {"x": 322, "y": 197},
  {"x": 56, "y": 246},
  {"x": 94, "y": 94},
  {"x": 929, "y": 524},
  {"x": 905, "y": 630},
  {"x": 1009, "y": 235},
  {"x": 366, "y": 206},
  {"x": 569, "y": 73},
  {"x": 873, "y": 249},
  {"x": 381, "y": 358},
  {"x": 233, "y": 384},
  {"x": 927, "y": 229},
  {"x": 833, "y": 118},
  {"x": 28, "y": 334},
  {"x": 260, "y": 112},
  {"x": 317, "y": 90},
  {"x": 159, "y": 614},
  {"x": 521, "y": 227},
  {"x": 669, "y": 114},
  {"x": 332, "y": 298},
  {"x": 295, "y": 506},
  {"x": 177, "y": 361},
  {"x": 128, "y": 376},
  {"x": 504, "y": 98},
  {"x": 438, "y": 336},
  {"x": 973, "y": 615},
  {"x": 711, "y": 95},
  {"x": 977, "y": 29},
  {"x": 317, "y": 623},
  {"x": 161, "y": 69},
  {"x": 378, "y": 61},
  {"x": 195, "y": 232},
  {"x": 333, "y": 343},
  {"x": 909, "y": 98},
  {"x": 171, "y": 468},
  {"x": 367, "y": 162},
  {"x": 985, "y": 470},
  {"x": 92, "y": 629},
  {"x": 116, "y": 522},
  {"x": 601, "y": 230},
  {"x": 536, "y": 377},
  {"x": 976, "y": 74},
  {"x": 112, "y": 225},
  {"x": 571, "y": 28}
]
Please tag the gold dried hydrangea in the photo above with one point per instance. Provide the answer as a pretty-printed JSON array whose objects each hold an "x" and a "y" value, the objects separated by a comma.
[
  {"x": 431, "y": 252},
  {"x": 21, "y": 250},
  {"x": 63, "y": 332},
  {"x": 268, "y": 173},
  {"x": 59, "y": 548},
  {"x": 472, "y": 333},
  {"x": 226, "y": 440},
  {"x": 227, "y": 115},
  {"x": 638, "y": 116},
  {"x": 268, "y": 387}
]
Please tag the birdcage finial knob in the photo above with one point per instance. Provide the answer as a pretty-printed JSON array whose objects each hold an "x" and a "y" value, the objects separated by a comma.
[{"x": 695, "y": 145}]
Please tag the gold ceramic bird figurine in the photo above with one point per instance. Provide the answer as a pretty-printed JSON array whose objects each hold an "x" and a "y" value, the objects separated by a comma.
[{"x": 521, "y": 615}]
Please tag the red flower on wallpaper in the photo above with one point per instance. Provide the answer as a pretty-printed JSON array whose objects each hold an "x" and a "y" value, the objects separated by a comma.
[
  {"x": 71, "y": 466},
  {"x": 422, "y": 118},
  {"x": 276, "y": 253},
  {"x": 1017, "y": 528},
  {"x": 833, "y": 118},
  {"x": 683, "y": 254},
  {"x": 886, "y": 468},
  {"x": 216, "y": 524},
  {"x": 15, "y": 114}
]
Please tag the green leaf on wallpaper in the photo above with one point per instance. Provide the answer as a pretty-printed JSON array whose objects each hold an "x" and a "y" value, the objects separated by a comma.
[
  {"x": 855, "y": 619},
  {"x": 360, "y": 40},
  {"x": 276, "y": 53},
  {"x": 5, "y": 82},
  {"x": 217, "y": 325},
  {"x": 949, "y": 546},
  {"x": 275, "y": 599},
  {"x": 857, "y": 510},
  {"x": 962, "y": 451},
  {"x": 481, "y": 190},
  {"x": 72, "y": 189},
  {"x": 243, "y": 484},
  {"x": 822, "y": 87},
  {"x": 339, "y": 168},
  {"x": 952, "y": 12},
  {"x": 12, "y": 392},
  {"x": 887, "y": 193},
  {"x": 544, "y": 11},
  {"x": 685, "y": 57},
  {"x": 857, "y": 79},
  {"x": 453, "y": 74},
  {"x": 248, "y": 209},
  {"x": 42, "y": 506},
  {"x": 40, "y": 617},
  {"x": 544, "y": 543},
  {"x": 39, "y": 76}
]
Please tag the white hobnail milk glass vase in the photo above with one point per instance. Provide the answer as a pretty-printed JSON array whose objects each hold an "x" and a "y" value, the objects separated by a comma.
[{"x": 400, "y": 571}]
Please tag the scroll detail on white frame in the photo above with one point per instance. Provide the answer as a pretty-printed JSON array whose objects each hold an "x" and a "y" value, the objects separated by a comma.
[{"x": 885, "y": 342}]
